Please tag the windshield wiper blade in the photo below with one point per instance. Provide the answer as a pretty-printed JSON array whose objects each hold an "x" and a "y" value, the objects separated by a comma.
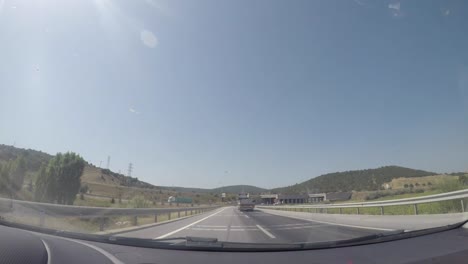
[{"x": 352, "y": 241}]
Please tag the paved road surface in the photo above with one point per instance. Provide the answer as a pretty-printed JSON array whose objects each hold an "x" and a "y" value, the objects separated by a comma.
[{"x": 230, "y": 224}]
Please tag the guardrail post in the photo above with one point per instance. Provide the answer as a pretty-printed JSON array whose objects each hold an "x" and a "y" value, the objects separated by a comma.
[
  {"x": 381, "y": 210},
  {"x": 135, "y": 220},
  {"x": 155, "y": 218},
  {"x": 415, "y": 209},
  {"x": 357, "y": 210},
  {"x": 341, "y": 211},
  {"x": 41, "y": 218},
  {"x": 169, "y": 217},
  {"x": 178, "y": 214},
  {"x": 102, "y": 223},
  {"x": 462, "y": 206},
  {"x": 326, "y": 210}
]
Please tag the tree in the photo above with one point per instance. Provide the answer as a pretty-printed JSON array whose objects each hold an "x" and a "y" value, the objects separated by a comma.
[
  {"x": 406, "y": 185},
  {"x": 4, "y": 177},
  {"x": 40, "y": 192},
  {"x": 12, "y": 176},
  {"x": 416, "y": 184},
  {"x": 84, "y": 189},
  {"x": 463, "y": 179},
  {"x": 30, "y": 185},
  {"x": 18, "y": 171},
  {"x": 119, "y": 193},
  {"x": 60, "y": 180}
]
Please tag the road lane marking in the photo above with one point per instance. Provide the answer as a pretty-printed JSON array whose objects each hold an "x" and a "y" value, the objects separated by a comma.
[
  {"x": 189, "y": 225},
  {"x": 266, "y": 232},
  {"x": 108, "y": 255},
  {"x": 208, "y": 229},
  {"x": 213, "y": 226},
  {"x": 331, "y": 223},
  {"x": 302, "y": 224},
  {"x": 49, "y": 255}
]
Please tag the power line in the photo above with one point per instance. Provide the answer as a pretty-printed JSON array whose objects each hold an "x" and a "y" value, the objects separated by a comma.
[
  {"x": 108, "y": 161},
  {"x": 130, "y": 169}
]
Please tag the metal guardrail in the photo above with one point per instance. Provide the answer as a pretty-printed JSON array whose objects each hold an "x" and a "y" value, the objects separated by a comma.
[
  {"x": 419, "y": 198},
  {"x": 463, "y": 194},
  {"x": 42, "y": 210}
]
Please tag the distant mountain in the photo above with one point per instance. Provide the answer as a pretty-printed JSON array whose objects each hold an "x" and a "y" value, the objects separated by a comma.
[
  {"x": 225, "y": 189},
  {"x": 239, "y": 189},
  {"x": 184, "y": 189},
  {"x": 93, "y": 174},
  {"x": 357, "y": 180}
]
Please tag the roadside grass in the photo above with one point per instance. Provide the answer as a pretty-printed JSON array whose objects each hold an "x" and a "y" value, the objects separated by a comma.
[{"x": 408, "y": 195}]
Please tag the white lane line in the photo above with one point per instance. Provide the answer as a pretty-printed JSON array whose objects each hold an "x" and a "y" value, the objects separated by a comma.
[
  {"x": 49, "y": 255},
  {"x": 111, "y": 257},
  {"x": 285, "y": 225},
  {"x": 212, "y": 226},
  {"x": 331, "y": 223},
  {"x": 246, "y": 216},
  {"x": 208, "y": 229},
  {"x": 189, "y": 225},
  {"x": 266, "y": 232}
]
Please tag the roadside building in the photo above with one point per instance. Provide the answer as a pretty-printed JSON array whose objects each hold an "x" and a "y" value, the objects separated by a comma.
[
  {"x": 292, "y": 198},
  {"x": 317, "y": 197},
  {"x": 338, "y": 196},
  {"x": 268, "y": 198}
]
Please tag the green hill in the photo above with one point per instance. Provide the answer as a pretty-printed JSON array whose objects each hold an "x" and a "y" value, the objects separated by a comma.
[
  {"x": 34, "y": 159},
  {"x": 95, "y": 175},
  {"x": 233, "y": 189},
  {"x": 239, "y": 189},
  {"x": 357, "y": 180}
]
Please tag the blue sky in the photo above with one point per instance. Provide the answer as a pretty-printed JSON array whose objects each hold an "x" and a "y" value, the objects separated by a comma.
[{"x": 210, "y": 93}]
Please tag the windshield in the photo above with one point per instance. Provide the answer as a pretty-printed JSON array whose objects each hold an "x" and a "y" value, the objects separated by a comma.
[{"x": 259, "y": 122}]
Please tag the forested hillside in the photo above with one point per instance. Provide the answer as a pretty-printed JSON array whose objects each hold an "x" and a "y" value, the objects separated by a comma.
[{"x": 357, "y": 180}]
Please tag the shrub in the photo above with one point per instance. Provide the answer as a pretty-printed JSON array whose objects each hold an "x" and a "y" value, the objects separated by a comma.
[{"x": 139, "y": 202}]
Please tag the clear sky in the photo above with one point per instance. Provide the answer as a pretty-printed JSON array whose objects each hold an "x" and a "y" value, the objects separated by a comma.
[{"x": 210, "y": 93}]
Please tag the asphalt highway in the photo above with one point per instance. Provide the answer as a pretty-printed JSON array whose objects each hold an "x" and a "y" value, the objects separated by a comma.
[{"x": 230, "y": 224}]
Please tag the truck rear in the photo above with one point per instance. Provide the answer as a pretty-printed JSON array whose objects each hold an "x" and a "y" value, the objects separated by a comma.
[{"x": 246, "y": 205}]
